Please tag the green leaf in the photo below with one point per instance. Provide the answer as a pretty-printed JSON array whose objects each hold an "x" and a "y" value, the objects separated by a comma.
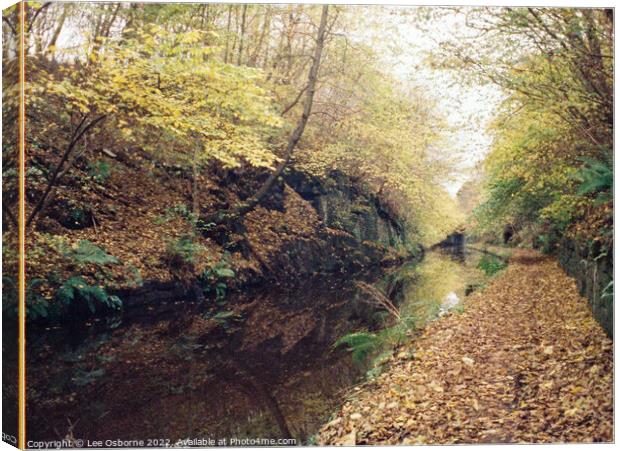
[
  {"x": 88, "y": 252},
  {"x": 360, "y": 344},
  {"x": 91, "y": 305},
  {"x": 66, "y": 293},
  {"x": 224, "y": 272},
  {"x": 98, "y": 293},
  {"x": 224, "y": 315},
  {"x": 115, "y": 302}
]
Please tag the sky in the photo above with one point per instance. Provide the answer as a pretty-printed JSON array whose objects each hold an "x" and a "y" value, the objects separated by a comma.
[{"x": 468, "y": 109}]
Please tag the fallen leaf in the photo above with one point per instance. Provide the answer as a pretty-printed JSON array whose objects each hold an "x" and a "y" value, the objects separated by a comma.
[
  {"x": 435, "y": 386},
  {"x": 468, "y": 361},
  {"x": 475, "y": 405},
  {"x": 349, "y": 440}
]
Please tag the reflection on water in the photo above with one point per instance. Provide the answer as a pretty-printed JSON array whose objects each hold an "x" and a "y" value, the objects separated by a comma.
[
  {"x": 437, "y": 284},
  {"x": 157, "y": 382},
  {"x": 450, "y": 301}
]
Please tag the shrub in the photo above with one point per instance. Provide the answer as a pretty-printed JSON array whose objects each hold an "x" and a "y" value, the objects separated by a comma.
[
  {"x": 226, "y": 318},
  {"x": 596, "y": 177},
  {"x": 547, "y": 242},
  {"x": 213, "y": 279},
  {"x": 99, "y": 171},
  {"x": 77, "y": 289},
  {"x": 85, "y": 252},
  {"x": 72, "y": 214},
  {"x": 184, "y": 212},
  {"x": 360, "y": 344},
  {"x": 74, "y": 289},
  {"x": 183, "y": 250},
  {"x": 491, "y": 264},
  {"x": 379, "y": 345},
  {"x": 36, "y": 305}
]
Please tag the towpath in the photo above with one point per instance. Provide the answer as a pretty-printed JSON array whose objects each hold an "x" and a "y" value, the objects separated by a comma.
[{"x": 525, "y": 362}]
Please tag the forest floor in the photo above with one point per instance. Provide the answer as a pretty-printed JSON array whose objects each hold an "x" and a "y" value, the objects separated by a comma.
[{"x": 525, "y": 362}]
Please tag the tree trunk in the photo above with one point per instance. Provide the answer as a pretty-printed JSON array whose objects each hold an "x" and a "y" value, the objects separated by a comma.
[
  {"x": 252, "y": 202},
  {"x": 265, "y": 30},
  {"x": 103, "y": 33},
  {"x": 256, "y": 387},
  {"x": 228, "y": 35},
  {"x": 195, "y": 172},
  {"x": 242, "y": 34},
  {"x": 270, "y": 402},
  {"x": 61, "y": 22}
]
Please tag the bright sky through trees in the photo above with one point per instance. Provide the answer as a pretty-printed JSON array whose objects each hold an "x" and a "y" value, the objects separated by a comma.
[
  {"x": 202, "y": 164},
  {"x": 407, "y": 38}
]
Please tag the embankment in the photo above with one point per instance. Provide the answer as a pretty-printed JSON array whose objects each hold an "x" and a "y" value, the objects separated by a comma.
[
  {"x": 593, "y": 270},
  {"x": 181, "y": 350}
]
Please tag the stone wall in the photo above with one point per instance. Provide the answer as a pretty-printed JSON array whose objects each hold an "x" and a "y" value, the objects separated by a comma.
[
  {"x": 343, "y": 205},
  {"x": 593, "y": 271}
]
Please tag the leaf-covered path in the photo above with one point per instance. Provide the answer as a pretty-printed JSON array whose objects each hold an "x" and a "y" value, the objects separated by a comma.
[{"x": 525, "y": 362}]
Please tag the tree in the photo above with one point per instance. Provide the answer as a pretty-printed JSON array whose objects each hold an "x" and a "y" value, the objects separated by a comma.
[
  {"x": 558, "y": 58},
  {"x": 293, "y": 139},
  {"x": 555, "y": 66},
  {"x": 156, "y": 88}
]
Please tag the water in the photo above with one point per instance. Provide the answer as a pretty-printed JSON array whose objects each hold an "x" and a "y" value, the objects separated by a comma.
[
  {"x": 186, "y": 378},
  {"x": 439, "y": 283},
  {"x": 450, "y": 301}
]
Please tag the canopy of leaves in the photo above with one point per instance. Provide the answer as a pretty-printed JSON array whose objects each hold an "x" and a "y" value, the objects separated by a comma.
[
  {"x": 550, "y": 164},
  {"x": 164, "y": 91},
  {"x": 390, "y": 138}
]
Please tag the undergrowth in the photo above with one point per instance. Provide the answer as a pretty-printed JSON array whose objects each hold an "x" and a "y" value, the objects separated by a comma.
[
  {"x": 375, "y": 348},
  {"x": 491, "y": 264}
]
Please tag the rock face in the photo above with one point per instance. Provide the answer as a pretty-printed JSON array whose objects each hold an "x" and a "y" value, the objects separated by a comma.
[
  {"x": 298, "y": 256},
  {"x": 593, "y": 271},
  {"x": 343, "y": 205}
]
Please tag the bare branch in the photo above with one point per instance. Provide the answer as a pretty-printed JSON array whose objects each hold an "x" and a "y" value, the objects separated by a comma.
[{"x": 51, "y": 184}]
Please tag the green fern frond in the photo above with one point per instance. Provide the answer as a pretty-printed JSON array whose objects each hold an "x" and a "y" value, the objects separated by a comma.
[
  {"x": 88, "y": 252},
  {"x": 355, "y": 339},
  {"x": 596, "y": 176},
  {"x": 359, "y": 344},
  {"x": 382, "y": 358}
]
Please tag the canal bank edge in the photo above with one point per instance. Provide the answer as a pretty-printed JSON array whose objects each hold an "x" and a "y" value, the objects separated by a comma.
[{"x": 593, "y": 270}]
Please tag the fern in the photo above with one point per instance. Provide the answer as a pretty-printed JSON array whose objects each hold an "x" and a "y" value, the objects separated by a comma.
[
  {"x": 214, "y": 278},
  {"x": 99, "y": 171},
  {"x": 363, "y": 345},
  {"x": 77, "y": 289},
  {"x": 360, "y": 344},
  {"x": 88, "y": 252},
  {"x": 491, "y": 264},
  {"x": 185, "y": 249},
  {"x": 84, "y": 377},
  {"x": 395, "y": 335},
  {"x": 378, "y": 364},
  {"x": 596, "y": 177},
  {"x": 36, "y": 305}
]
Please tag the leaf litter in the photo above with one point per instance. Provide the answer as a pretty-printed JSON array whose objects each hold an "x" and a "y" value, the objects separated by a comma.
[{"x": 524, "y": 363}]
